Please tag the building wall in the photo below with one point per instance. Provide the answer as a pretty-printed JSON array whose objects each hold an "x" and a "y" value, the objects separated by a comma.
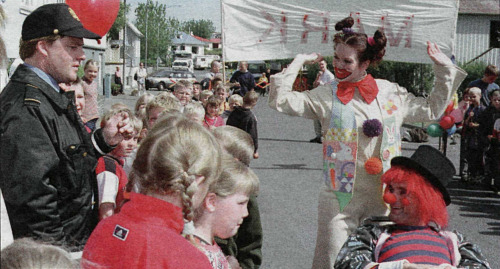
[{"x": 473, "y": 38}]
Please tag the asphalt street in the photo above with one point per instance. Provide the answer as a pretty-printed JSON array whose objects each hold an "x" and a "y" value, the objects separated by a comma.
[{"x": 289, "y": 169}]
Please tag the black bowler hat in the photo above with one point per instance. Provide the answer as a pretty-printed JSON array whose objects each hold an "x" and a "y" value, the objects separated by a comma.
[
  {"x": 433, "y": 165},
  {"x": 54, "y": 19}
]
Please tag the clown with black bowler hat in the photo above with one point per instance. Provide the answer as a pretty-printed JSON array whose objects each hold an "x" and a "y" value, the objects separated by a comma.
[
  {"x": 47, "y": 159},
  {"x": 414, "y": 235}
]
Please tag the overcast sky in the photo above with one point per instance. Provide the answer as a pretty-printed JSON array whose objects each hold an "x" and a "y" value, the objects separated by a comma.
[{"x": 185, "y": 10}]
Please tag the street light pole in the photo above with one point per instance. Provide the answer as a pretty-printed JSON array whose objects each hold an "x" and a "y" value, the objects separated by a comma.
[{"x": 124, "y": 46}]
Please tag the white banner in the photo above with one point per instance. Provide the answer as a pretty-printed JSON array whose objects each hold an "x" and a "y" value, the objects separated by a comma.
[{"x": 270, "y": 29}]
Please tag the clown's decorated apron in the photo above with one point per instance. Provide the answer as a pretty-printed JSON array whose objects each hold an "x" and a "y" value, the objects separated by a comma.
[{"x": 340, "y": 145}]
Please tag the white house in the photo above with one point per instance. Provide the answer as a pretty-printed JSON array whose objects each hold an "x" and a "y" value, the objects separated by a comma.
[
  {"x": 114, "y": 54},
  {"x": 186, "y": 42},
  {"x": 17, "y": 10},
  {"x": 475, "y": 20}
]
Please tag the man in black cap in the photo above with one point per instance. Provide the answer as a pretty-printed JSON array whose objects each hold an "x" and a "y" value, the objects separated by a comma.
[
  {"x": 47, "y": 158},
  {"x": 413, "y": 236}
]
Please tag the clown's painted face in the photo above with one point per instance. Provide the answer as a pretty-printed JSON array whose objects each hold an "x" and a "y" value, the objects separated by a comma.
[
  {"x": 404, "y": 205},
  {"x": 346, "y": 64}
]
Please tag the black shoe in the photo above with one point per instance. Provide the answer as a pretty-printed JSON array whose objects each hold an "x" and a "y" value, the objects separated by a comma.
[{"x": 316, "y": 140}]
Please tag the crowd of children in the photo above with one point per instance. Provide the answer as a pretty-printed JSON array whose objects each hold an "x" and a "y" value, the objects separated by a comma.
[
  {"x": 129, "y": 181},
  {"x": 480, "y": 147}
]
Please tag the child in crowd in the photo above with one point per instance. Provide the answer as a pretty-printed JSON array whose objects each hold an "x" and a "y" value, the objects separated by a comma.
[
  {"x": 216, "y": 82},
  {"x": 474, "y": 147},
  {"x": 163, "y": 102},
  {"x": 223, "y": 209},
  {"x": 463, "y": 106},
  {"x": 195, "y": 112},
  {"x": 234, "y": 100},
  {"x": 140, "y": 113},
  {"x": 262, "y": 84},
  {"x": 77, "y": 88},
  {"x": 489, "y": 126},
  {"x": 204, "y": 95},
  {"x": 173, "y": 170},
  {"x": 246, "y": 246},
  {"x": 196, "y": 91},
  {"x": 140, "y": 106},
  {"x": 221, "y": 92},
  {"x": 243, "y": 118},
  {"x": 183, "y": 90},
  {"x": 111, "y": 177},
  {"x": 212, "y": 118},
  {"x": 91, "y": 111}
]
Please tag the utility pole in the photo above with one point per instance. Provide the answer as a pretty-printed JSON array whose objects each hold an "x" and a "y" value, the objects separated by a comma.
[
  {"x": 124, "y": 45},
  {"x": 147, "y": 21}
]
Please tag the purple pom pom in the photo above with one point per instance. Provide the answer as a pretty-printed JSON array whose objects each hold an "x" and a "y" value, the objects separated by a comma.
[{"x": 372, "y": 128}]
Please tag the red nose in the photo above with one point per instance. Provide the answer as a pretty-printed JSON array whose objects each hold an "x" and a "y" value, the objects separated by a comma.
[{"x": 389, "y": 198}]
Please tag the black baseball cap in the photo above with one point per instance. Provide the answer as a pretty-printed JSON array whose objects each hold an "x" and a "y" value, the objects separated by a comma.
[{"x": 54, "y": 19}]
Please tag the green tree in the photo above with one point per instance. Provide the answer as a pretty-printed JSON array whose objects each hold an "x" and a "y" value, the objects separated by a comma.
[
  {"x": 114, "y": 31},
  {"x": 158, "y": 30},
  {"x": 201, "y": 28}
]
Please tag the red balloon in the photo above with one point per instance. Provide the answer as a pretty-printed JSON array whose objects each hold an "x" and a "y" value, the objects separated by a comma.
[
  {"x": 449, "y": 108},
  {"x": 96, "y": 15},
  {"x": 446, "y": 122}
]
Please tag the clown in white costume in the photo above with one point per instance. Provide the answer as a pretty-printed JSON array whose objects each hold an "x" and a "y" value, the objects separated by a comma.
[{"x": 361, "y": 119}]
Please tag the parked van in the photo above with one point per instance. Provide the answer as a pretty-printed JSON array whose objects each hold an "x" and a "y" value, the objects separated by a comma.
[
  {"x": 180, "y": 55},
  {"x": 204, "y": 61},
  {"x": 184, "y": 64}
]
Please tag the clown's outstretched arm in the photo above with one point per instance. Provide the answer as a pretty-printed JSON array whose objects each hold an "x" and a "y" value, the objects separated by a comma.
[{"x": 314, "y": 104}]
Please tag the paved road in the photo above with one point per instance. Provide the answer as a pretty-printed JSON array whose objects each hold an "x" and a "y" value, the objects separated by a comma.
[{"x": 289, "y": 169}]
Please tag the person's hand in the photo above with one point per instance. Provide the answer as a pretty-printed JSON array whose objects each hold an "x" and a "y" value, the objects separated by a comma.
[
  {"x": 117, "y": 129},
  {"x": 106, "y": 210},
  {"x": 256, "y": 155},
  {"x": 311, "y": 58},
  {"x": 233, "y": 262},
  {"x": 436, "y": 55}
]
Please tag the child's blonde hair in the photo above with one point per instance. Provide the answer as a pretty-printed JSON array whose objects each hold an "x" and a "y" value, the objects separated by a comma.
[
  {"x": 119, "y": 105},
  {"x": 143, "y": 100},
  {"x": 167, "y": 101},
  {"x": 90, "y": 62},
  {"x": 115, "y": 109},
  {"x": 475, "y": 90},
  {"x": 250, "y": 98},
  {"x": 236, "y": 142},
  {"x": 168, "y": 161},
  {"x": 183, "y": 84},
  {"x": 235, "y": 98},
  {"x": 220, "y": 87},
  {"x": 213, "y": 101},
  {"x": 206, "y": 93},
  {"x": 194, "y": 109},
  {"x": 235, "y": 178},
  {"x": 27, "y": 253}
]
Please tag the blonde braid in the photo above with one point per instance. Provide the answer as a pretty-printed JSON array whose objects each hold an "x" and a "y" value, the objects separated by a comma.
[{"x": 187, "y": 195}]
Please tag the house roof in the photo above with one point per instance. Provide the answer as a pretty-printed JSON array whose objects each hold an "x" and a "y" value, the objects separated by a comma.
[
  {"x": 201, "y": 38},
  {"x": 484, "y": 7},
  {"x": 134, "y": 29},
  {"x": 184, "y": 38},
  {"x": 214, "y": 40}
]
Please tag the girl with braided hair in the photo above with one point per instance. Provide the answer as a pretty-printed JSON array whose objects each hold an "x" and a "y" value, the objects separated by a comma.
[
  {"x": 222, "y": 212},
  {"x": 172, "y": 172},
  {"x": 361, "y": 119}
]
